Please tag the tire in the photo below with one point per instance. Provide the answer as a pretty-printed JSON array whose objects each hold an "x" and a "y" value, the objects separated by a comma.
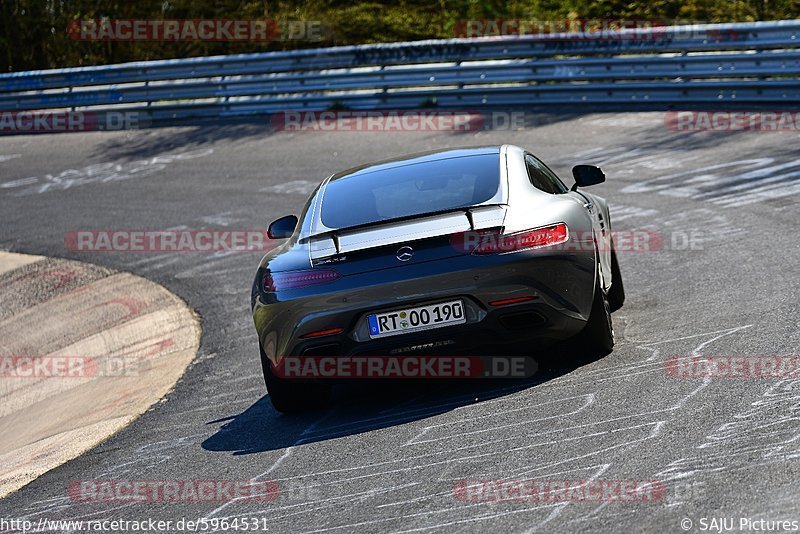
[
  {"x": 616, "y": 295},
  {"x": 293, "y": 396},
  {"x": 598, "y": 335}
]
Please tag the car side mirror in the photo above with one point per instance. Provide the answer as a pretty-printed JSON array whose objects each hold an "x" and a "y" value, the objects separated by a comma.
[
  {"x": 586, "y": 175},
  {"x": 282, "y": 228}
]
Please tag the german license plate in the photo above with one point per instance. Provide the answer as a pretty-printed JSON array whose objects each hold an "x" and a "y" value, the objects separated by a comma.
[{"x": 416, "y": 319}]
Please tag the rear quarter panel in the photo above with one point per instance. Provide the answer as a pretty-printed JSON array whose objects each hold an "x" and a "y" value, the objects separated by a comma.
[{"x": 529, "y": 207}]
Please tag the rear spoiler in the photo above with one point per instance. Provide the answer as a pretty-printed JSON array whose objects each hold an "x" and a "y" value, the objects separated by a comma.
[{"x": 378, "y": 234}]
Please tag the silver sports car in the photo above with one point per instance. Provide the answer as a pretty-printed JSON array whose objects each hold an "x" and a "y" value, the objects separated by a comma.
[{"x": 458, "y": 251}]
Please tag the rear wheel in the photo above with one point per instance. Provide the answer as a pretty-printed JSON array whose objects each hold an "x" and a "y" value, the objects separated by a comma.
[
  {"x": 616, "y": 295},
  {"x": 598, "y": 335},
  {"x": 292, "y": 396}
]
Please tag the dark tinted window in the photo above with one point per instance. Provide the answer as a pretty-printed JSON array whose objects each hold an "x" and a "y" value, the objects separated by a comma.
[
  {"x": 543, "y": 178},
  {"x": 407, "y": 190}
]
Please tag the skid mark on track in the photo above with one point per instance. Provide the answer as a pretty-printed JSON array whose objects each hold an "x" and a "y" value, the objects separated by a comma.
[
  {"x": 294, "y": 187},
  {"x": 730, "y": 184},
  {"x": 537, "y": 442},
  {"x": 287, "y": 453},
  {"x": 219, "y": 264},
  {"x": 767, "y": 432},
  {"x": 655, "y": 353},
  {"x": 98, "y": 173},
  {"x": 705, "y": 223},
  {"x": 581, "y": 402},
  {"x": 414, "y": 481},
  {"x": 149, "y": 456},
  {"x": 620, "y": 212}
]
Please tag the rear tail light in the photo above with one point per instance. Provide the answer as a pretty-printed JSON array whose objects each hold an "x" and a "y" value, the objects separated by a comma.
[
  {"x": 321, "y": 333},
  {"x": 496, "y": 242},
  {"x": 294, "y": 279},
  {"x": 515, "y": 300}
]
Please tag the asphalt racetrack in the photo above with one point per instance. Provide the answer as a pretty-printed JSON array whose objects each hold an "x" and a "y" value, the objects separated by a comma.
[{"x": 724, "y": 282}]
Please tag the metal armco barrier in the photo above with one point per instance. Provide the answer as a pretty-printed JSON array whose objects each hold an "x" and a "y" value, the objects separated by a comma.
[{"x": 748, "y": 63}]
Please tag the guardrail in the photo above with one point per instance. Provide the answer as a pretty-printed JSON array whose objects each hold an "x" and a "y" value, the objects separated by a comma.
[{"x": 752, "y": 63}]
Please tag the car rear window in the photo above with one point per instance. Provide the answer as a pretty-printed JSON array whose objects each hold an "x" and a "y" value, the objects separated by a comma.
[{"x": 408, "y": 190}]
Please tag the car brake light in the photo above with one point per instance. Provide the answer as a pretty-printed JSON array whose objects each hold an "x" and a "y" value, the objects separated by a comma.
[
  {"x": 294, "y": 279},
  {"x": 515, "y": 300},
  {"x": 321, "y": 333},
  {"x": 495, "y": 242}
]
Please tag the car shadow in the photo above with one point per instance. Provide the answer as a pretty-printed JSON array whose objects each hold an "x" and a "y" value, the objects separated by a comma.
[{"x": 371, "y": 405}]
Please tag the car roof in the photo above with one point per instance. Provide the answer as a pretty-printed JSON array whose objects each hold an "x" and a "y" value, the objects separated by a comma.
[{"x": 413, "y": 159}]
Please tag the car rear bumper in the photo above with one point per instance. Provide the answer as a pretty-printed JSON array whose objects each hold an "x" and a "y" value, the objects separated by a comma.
[{"x": 561, "y": 286}]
